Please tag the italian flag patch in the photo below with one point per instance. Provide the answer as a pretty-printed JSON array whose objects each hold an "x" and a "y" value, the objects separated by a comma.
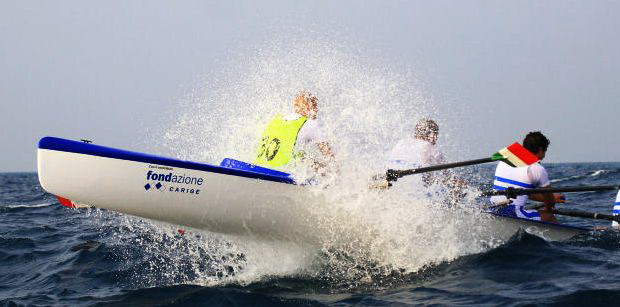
[{"x": 516, "y": 156}]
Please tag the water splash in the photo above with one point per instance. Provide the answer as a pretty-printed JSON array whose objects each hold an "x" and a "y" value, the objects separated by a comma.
[{"x": 365, "y": 105}]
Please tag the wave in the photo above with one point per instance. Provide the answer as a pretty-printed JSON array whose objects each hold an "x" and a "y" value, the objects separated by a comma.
[
  {"x": 29, "y": 206},
  {"x": 590, "y": 174}
]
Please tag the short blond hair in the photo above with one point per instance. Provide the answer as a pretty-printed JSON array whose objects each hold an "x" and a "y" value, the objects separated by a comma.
[{"x": 306, "y": 97}]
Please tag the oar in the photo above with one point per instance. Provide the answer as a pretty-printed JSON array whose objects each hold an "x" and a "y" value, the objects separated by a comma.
[
  {"x": 586, "y": 214},
  {"x": 515, "y": 155},
  {"x": 573, "y": 213},
  {"x": 513, "y": 193}
]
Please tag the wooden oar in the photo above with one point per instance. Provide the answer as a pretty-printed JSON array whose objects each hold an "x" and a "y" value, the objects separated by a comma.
[
  {"x": 513, "y": 193},
  {"x": 515, "y": 155}
]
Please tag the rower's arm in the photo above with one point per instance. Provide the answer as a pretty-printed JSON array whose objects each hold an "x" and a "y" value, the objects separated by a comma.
[
  {"x": 548, "y": 198},
  {"x": 325, "y": 149},
  {"x": 539, "y": 176}
]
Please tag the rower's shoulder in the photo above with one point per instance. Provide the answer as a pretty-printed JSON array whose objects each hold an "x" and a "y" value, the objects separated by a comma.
[
  {"x": 537, "y": 167},
  {"x": 289, "y": 116}
]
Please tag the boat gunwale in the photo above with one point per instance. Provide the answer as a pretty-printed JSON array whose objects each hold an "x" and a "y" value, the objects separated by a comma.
[
  {"x": 542, "y": 222},
  {"x": 65, "y": 145}
]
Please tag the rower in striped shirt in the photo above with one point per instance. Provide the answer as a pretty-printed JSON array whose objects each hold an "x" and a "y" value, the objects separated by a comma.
[
  {"x": 528, "y": 177},
  {"x": 616, "y": 211}
]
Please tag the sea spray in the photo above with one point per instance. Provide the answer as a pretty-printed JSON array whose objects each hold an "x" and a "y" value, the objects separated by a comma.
[
  {"x": 161, "y": 254},
  {"x": 365, "y": 105}
]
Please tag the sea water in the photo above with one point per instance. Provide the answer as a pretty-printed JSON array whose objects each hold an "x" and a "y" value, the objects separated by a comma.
[
  {"x": 404, "y": 246},
  {"x": 50, "y": 254}
]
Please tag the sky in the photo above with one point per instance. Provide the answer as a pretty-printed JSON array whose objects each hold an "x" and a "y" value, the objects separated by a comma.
[{"x": 112, "y": 70}]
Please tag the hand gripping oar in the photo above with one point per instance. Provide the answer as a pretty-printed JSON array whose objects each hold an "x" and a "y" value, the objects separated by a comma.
[
  {"x": 513, "y": 193},
  {"x": 515, "y": 155},
  {"x": 586, "y": 214}
]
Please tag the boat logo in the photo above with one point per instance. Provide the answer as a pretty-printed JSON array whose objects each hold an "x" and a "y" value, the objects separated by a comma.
[
  {"x": 178, "y": 183},
  {"x": 148, "y": 186}
]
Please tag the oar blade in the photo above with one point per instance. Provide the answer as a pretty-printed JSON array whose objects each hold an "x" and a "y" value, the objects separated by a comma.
[{"x": 517, "y": 156}]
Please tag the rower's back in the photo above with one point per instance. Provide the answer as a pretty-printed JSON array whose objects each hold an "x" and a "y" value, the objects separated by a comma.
[{"x": 528, "y": 177}]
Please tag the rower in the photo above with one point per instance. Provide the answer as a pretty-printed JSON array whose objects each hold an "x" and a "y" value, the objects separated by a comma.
[
  {"x": 294, "y": 137},
  {"x": 616, "y": 211},
  {"x": 420, "y": 150},
  {"x": 528, "y": 177},
  {"x": 417, "y": 150}
]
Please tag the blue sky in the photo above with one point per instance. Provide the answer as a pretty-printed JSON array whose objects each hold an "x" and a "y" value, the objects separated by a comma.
[{"x": 113, "y": 71}]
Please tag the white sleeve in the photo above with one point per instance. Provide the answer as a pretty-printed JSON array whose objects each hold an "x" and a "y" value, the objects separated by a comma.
[
  {"x": 310, "y": 132},
  {"x": 539, "y": 175},
  {"x": 615, "y": 210},
  {"x": 395, "y": 152}
]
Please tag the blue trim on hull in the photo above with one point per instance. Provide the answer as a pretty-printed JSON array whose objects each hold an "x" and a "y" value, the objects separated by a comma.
[
  {"x": 58, "y": 144},
  {"x": 244, "y": 166}
]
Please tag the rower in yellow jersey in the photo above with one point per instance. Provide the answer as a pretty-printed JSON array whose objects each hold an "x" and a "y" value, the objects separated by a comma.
[{"x": 292, "y": 137}]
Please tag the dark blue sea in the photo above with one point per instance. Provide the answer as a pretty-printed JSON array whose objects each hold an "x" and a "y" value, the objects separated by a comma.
[{"x": 53, "y": 255}]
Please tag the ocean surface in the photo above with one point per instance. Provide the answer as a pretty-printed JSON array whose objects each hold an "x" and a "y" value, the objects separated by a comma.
[{"x": 52, "y": 255}]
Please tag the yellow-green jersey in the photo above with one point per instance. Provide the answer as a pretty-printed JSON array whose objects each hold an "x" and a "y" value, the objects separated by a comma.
[{"x": 277, "y": 145}]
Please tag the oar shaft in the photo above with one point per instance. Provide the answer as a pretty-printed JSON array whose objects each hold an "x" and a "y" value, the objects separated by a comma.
[
  {"x": 393, "y": 175},
  {"x": 586, "y": 214},
  {"x": 515, "y": 192}
]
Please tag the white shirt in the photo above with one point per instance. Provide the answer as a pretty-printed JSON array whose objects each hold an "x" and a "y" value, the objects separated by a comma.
[
  {"x": 310, "y": 133},
  {"x": 616, "y": 210},
  {"x": 527, "y": 177},
  {"x": 413, "y": 153}
]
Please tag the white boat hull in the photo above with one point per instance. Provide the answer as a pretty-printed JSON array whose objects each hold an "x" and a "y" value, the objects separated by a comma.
[
  {"x": 211, "y": 198},
  {"x": 504, "y": 227},
  {"x": 221, "y": 203}
]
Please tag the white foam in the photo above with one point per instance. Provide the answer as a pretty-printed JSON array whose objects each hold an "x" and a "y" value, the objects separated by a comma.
[
  {"x": 593, "y": 174},
  {"x": 365, "y": 105},
  {"x": 599, "y": 172},
  {"x": 30, "y": 206}
]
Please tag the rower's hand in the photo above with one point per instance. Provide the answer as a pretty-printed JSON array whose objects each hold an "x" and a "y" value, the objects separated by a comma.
[
  {"x": 559, "y": 198},
  {"x": 552, "y": 199},
  {"x": 380, "y": 185}
]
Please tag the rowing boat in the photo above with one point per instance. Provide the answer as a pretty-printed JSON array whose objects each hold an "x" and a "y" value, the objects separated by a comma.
[
  {"x": 505, "y": 226},
  {"x": 233, "y": 198}
]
